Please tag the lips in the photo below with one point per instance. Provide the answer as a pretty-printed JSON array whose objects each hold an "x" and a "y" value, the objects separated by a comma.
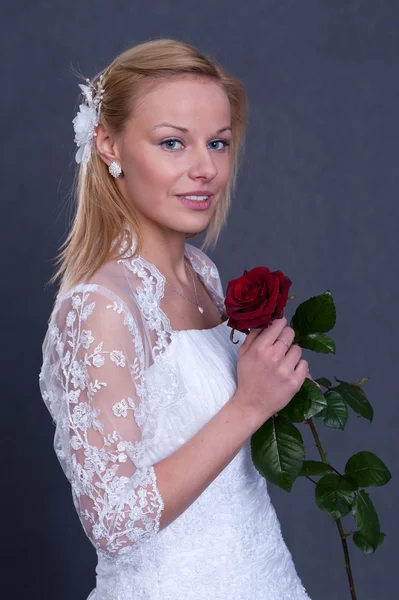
[
  {"x": 202, "y": 204},
  {"x": 197, "y": 193}
]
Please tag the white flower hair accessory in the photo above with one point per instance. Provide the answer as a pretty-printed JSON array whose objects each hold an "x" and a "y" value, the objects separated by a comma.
[{"x": 87, "y": 119}]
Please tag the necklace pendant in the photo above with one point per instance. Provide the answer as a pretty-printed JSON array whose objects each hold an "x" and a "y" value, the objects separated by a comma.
[{"x": 200, "y": 309}]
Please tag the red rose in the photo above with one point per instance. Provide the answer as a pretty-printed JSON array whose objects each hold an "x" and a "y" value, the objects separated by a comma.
[{"x": 256, "y": 298}]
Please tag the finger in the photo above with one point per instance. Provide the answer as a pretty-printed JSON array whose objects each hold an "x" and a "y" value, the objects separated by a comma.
[
  {"x": 302, "y": 367},
  {"x": 284, "y": 340},
  {"x": 253, "y": 333},
  {"x": 311, "y": 378},
  {"x": 272, "y": 332},
  {"x": 293, "y": 356},
  {"x": 256, "y": 331},
  {"x": 249, "y": 338}
]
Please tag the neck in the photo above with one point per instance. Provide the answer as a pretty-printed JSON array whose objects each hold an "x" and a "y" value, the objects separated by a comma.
[{"x": 166, "y": 252}]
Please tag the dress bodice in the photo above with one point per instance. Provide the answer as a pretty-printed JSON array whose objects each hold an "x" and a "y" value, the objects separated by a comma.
[{"x": 126, "y": 391}]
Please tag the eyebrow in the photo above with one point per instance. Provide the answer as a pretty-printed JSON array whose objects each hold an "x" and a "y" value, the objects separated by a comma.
[{"x": 183, "y": 129}]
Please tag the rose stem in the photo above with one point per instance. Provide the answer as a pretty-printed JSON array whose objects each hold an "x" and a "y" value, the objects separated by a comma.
[{"x": 338, "y": 521}]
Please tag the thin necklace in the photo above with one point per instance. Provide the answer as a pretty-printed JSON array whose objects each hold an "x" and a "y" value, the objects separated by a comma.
[{"x": 195, "y": 289}]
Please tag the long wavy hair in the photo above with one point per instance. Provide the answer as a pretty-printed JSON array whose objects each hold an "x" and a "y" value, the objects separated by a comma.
[{"x": 101, "y": 210}]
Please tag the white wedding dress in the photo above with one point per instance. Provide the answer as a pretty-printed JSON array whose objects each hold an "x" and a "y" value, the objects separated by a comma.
[{"x": 125, "y": 391}]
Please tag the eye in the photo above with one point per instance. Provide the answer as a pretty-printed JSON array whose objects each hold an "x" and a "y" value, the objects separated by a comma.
[
  {"x": 224, "y": 142},
  {"x": 169, "y": 144},
  {"x": 170, "y": 141}
]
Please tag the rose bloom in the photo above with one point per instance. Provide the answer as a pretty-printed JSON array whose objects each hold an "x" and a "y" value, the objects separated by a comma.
[{"x": 256, "y": 298}]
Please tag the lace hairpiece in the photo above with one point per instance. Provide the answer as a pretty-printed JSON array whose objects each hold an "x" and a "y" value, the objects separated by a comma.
[{"x": 87, "y": 119}]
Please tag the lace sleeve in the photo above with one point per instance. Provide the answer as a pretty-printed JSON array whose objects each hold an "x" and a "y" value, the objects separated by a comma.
[
  {"x": 209, "y": 272},
  {"x": 92, "y": 383}
]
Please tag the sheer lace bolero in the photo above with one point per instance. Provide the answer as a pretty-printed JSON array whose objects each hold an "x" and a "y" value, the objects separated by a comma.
[{"x": 103, "y": 336}]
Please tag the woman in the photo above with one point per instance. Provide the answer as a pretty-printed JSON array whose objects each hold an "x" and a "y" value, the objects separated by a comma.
[{"x": 154, "y": 406}]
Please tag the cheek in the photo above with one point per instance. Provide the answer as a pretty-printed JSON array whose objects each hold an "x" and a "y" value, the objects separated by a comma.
[
  {"x": 154, "y": 170},
  {"x": 163, "y": 171}
]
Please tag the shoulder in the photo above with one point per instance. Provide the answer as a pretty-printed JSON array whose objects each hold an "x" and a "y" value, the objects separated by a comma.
[
  {"x": 207, "y": 268},
  {"x": 108, "y": 286},
  {"x": 89, "y": 294},
  {"x": 97, "y": 306},
  {"x": 203, "y": 261}
]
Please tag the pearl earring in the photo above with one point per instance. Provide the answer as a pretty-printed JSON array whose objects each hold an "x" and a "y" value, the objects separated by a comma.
[{"x": 115, "y": 169}]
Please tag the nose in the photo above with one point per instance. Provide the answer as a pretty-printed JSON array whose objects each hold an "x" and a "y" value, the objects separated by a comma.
[{"x": 202, "y": 164}]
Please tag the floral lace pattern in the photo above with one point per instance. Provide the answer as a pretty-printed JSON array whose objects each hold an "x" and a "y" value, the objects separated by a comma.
[
  {"x": 125, "y": 391},
  {"x": 95, "y": 383}
]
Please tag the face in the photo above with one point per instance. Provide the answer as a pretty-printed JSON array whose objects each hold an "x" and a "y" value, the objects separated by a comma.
[{"x": 177, "y": 143}]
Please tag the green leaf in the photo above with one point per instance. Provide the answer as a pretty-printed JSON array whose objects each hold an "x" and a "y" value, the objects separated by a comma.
[
  {"x": 361, "y": 542},
  {"x": 335, "y": 494},
  {"x": 307, "y": 402},
  {"x": 298, "y": 406},
  {"x": 336, "y": 412},
  {"x": 318, "y": 342},
  {"x": 318, "y": 400},
  {"x": 366, "y": 518},
  {"x": 367, "y": 469},
  {"x": 314, "y": 467},
  {"x": 356, "y": 398},
  {"x": 277, "y": 451},
  {"x": 361, "y": 381},
  {"x": 324, "y": 382},
  {"x": 316, "y": 315}
]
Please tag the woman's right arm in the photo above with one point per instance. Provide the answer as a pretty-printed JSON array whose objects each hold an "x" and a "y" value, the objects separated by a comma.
[{"x": 268, "y": 377}]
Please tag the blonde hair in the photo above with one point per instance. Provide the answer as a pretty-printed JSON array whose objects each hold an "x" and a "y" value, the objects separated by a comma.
[{"x": 101, "y": 210}]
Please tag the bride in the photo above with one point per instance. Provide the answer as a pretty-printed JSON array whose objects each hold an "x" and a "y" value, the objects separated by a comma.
[{"x": 153, "y": 405}]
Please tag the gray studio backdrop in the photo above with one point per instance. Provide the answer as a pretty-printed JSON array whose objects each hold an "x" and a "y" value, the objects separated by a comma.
[{"x": 317, "y": 197}]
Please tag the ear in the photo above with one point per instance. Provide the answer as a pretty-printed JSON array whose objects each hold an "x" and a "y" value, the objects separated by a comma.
[{"x": 106, "y": 144}]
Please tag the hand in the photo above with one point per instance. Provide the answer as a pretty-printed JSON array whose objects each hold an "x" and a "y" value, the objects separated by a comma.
[{"x": 269, "y": 373}]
